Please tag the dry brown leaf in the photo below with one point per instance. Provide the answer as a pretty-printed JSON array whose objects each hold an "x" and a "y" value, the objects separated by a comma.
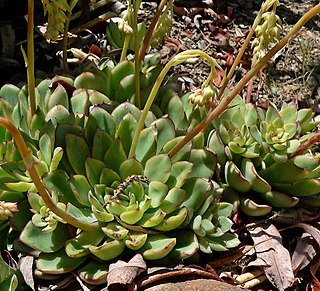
[
  {"x": 26, "y": 268},
  {"x": 303, "y": 253},
  {"x": 272, "y": 256},
  {"x": 124, "y": 273}
]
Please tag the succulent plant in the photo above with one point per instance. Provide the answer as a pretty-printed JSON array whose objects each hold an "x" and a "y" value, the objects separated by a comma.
[
  {"x": 151, "y": 203},
  {"x": 256, "y": 150}
]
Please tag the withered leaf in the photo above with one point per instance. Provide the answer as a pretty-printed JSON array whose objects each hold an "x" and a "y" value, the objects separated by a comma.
[
  {"x": 303, "y": 253},
  {"x": 124, "y": 273},
  {"x": 26, "y": 268},
  {"x": 272, "y": 256}
]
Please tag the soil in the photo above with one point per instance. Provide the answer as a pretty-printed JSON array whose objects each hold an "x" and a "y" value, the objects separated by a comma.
[{"x": 292, "y": 75}]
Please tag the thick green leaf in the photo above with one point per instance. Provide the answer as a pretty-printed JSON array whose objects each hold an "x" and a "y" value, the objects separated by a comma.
[
  {"x": 130, "y": 167},
  {"x": 182, "y": 154},
  {"x": 157, "y": 191},
  {"x": 47, "y": 242},
  {"x": 158, "y": 168},
  {"x": 204, "y": 162},
  {"x": 77, "y": 152},
  {"x": 173, "y": 200},
  {"x": 186, "y": 246},
  {"x": 80, "y": 102},
  {"x": 78, "y": 246},
  {"x": 92, "y": 80},
  {"x": 94, "y": 273},
  {"x": 57, "y": 114},
  {"x": 146, "y": 147},
  {"x": 123, "y": 109},
  {"x": 10, "y": 93},
  {"x": 6, "y": 270},
  {"x": 126, "y": 89},
  {"x": 180, "y": 172},
  {"x": 157, "y": 247},
  {"x": 58, "y": 263},
  {"x": 59, "y": 96},
  {"x": 80, "y": 187},
  {"x": 109, "y": 176},
  {"x": 165, "y": 131},
  {"x": 58, "y": 181},
  {"x": 126, "y": 130},
  {"x": 120, "y": 71},
  {"x": 115, "y": 156},
  {"x": 82, "y": 214},
  {"x": 109, "y": 250},
  {"x": 100, "y": 118},
  {"x": 101, "y": 143},
  {"x": 197, "y": 190},
  {"x": 93, "y": 170}
]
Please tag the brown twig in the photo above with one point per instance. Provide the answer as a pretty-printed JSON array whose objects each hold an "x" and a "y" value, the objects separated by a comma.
[
  {"x": 308, "y": 143},
  {"x": 146, "y": 40}
]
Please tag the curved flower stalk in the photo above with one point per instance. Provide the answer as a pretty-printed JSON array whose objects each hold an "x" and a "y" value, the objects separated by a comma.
[{"x": 256, "y": 147}]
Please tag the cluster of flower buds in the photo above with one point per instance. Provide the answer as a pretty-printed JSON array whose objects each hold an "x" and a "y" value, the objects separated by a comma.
[
  {"x": 268, "y": 32},
  {"x": 123, "y": 24},
  {"x": 204, "y": 96},
  {"x": 6, "y": 209},
  {"x": 163, "y": 26},
  {"x": 57, "y": 17}
]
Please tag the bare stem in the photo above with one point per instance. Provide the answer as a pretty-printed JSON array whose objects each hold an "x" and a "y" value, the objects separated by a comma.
[
  {"x": 307, "y": 144},
  {"x": 30, "y": 63},
  {"x": 137, "y": 94},
  {"x": 27, "y": 159},
  {"x": 225, "y": 101},
  {"x": 146, "y": 41},
  {"x": 65, "y": 41}
]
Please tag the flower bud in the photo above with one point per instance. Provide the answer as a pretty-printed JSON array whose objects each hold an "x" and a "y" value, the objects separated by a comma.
[{"x": 7, "y": 209}]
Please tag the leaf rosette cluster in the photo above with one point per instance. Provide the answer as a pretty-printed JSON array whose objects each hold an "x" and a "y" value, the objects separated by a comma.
[
  {"x": 151, "y": 203},
  {"x": 256, "y": 149}
]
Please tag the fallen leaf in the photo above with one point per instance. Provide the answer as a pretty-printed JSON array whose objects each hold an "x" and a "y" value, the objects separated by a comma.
[
  {"x": 124, "y": 273},
  {"x": 303, "y": 253},
  {"x": 26, "y": 268},
  {"x": 272, "y": 256}
]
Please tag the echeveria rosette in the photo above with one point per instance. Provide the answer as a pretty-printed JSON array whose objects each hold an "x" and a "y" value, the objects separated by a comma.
[
  {"x": 232, "y": 138},
  {"x": 256, "y": 150},
  {"x": 151, "y": 203}
]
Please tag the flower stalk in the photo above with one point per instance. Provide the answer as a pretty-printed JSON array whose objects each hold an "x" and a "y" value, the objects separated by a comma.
[
  {"x": 179, "y": 58},
  {"x": 30, "y": 57}
]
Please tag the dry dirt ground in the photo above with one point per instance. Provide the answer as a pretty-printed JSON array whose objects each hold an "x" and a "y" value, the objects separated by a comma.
[{"x": 292, "y": 75}]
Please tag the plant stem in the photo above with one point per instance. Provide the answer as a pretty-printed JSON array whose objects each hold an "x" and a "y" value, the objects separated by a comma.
[
  {"x": 30, "y": 63},
  {"x": 146, "y": 41},
  {"x": 242, "y": 51},
  {"x": 125, "y": 47},
  {"x": 136, "y": 100},
  {"x": 303, "y": 147},
  {"x": 179, "y": 58},
  {"x": 65, "y": 41},
  {"x": 27, "y": 159},
  {"x": 224, "y": 103}
]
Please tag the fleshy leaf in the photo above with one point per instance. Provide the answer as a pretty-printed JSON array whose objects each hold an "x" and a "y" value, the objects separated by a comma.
[
  {"x": 153, "y": 166},
  {"x": 58, "y": 262},
  {"x": 157, "y": 247},
  {"x": 47, "y": 242}
]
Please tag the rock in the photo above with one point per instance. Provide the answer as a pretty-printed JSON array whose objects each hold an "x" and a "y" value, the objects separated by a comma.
[{"x": 198, "y": 284}]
